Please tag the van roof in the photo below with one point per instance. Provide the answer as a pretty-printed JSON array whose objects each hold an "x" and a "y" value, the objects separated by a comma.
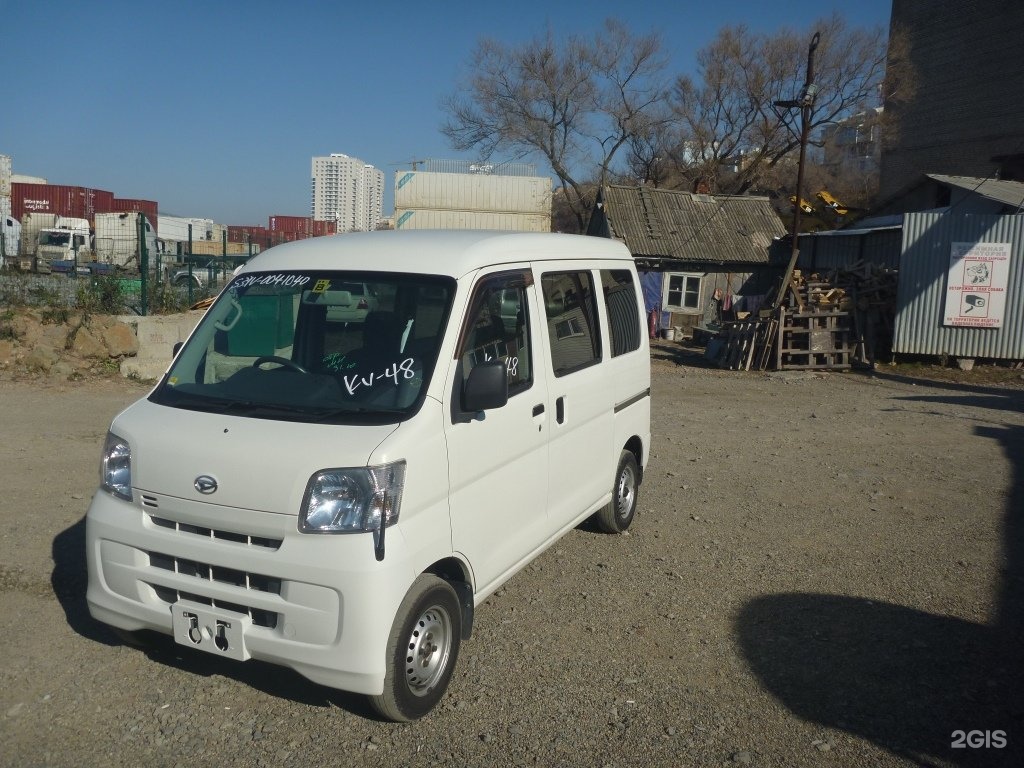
[{"x": 446, "y": 252}]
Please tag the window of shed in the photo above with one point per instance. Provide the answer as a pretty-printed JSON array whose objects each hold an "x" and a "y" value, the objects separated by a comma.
[{"x": 682, "y": 292}]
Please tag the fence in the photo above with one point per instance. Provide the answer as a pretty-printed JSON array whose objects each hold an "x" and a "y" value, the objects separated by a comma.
[{"x": 123, "y": 248}]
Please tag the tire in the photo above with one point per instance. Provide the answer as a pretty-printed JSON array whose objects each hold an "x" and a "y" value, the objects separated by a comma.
[
  {"x": 422, "y": 650},
  {"x": 618, "y": 514}
]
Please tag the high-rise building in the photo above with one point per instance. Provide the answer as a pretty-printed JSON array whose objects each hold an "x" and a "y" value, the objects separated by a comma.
[{"x": 347, "y": 191}]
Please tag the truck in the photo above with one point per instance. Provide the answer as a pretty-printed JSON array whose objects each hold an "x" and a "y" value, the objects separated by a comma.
[
  {"x": 31, "y": 224},
  {"x": 116, "y": 239},
  {"x": 68, "y": 240}
]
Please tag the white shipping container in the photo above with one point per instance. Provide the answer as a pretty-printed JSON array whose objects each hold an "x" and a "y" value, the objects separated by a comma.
[
  {"x": 10, "y": 234},
  {"x": 5, "y": 179},
  {"x": 176, "y": 228},
  {"x": 218, "y": 232},
  {"x": 472, "y": 192},
  {"x": 508, "y": 222}
]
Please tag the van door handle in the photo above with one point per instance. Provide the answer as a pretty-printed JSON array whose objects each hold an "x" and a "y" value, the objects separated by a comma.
[
  {"x": 538, "y": 409},
  {"x": 560, "y": 410}
]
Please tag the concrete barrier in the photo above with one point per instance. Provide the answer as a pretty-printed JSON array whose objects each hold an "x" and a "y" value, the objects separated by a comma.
[{"x": 157, "y": 335}]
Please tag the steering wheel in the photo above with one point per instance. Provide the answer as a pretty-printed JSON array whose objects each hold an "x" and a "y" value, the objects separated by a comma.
[{"x": 284, "y": 362}]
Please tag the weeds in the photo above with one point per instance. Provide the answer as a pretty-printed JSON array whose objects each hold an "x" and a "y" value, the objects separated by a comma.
[{"x": 7, "y": 330}]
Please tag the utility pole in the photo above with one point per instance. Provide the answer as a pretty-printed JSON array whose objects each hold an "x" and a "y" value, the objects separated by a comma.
[{"x": 806, "y": 106}]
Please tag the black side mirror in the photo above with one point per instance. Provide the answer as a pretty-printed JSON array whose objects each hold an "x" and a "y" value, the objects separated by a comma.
[
  {"x": 177, "y": 345},
  {"x": 486, "y": 387}
]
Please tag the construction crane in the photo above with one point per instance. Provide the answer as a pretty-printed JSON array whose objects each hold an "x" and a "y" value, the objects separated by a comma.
[
  {"x": 830, "y": 202},
  {"x": 804, "y": 205}
]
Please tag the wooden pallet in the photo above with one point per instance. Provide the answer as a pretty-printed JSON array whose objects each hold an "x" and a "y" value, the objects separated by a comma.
[
  {"x": 813, "y": 340},
  {"x": 742, "y": 340}
]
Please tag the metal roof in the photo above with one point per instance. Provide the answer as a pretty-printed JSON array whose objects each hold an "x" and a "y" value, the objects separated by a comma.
[
  {"x": 698, "y": 229},
  {"x": 1006, "y": 192}
]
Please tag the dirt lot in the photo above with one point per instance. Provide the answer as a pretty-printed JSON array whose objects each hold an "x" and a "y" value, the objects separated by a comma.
[{"x": 825, "y": 570}]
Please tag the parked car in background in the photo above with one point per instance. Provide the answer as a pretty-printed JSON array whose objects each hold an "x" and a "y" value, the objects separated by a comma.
[{"x": 350, "y": 303}]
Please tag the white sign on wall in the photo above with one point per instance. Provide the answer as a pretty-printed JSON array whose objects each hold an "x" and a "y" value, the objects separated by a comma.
[{"x": 976, "y": 284}]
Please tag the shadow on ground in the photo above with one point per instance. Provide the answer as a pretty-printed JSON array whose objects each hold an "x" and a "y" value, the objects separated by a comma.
[{"x": 904, "y": 679}]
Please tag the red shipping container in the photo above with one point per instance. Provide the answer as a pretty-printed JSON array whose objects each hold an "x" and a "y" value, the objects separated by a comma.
[
  {"x": 291, "y": 224},
  {"x": 322, "y": 228},
  {"x": 59, "y": 199}
]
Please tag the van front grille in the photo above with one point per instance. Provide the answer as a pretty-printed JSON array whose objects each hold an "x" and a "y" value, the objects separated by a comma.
[
  {"x": 205, "y": 573},
  {"x": 219, "y": 535}
]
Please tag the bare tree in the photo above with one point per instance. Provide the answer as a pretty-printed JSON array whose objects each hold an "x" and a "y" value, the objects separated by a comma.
[
  {"x": 728, "y": 114},
  {"x": 577, "y": 105}
]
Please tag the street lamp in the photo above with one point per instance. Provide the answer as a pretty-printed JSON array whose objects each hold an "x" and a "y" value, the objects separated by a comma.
[{"x": 804, "y": 103}]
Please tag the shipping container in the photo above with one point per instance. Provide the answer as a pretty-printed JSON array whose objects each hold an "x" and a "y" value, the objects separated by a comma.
[
  {"x": 300, "y": 225},
  {"x": 5, "y": 177},
  {"x": 416, "y": 190},
  {"x": 129, "y": 205},
  {"x": 324, "y": 228},
  {"x": 217, "y": 248},
  {"x": 176, "y": 228},
  {"x": 78, "y": 202},
  {"x": 238, "y": 233},
  {"x": 10, "y": 236},
  {"x": 435, "y": 219}
]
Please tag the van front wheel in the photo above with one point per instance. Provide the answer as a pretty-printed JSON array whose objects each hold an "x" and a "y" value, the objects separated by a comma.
[
  {"x": 617, "y": 515},
  {"x": 422, "y": 650}
]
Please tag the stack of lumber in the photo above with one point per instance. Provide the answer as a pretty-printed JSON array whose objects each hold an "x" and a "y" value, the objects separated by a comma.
[
  {"x": 824, "y": 321},
  {"x": 814, "y": 325}
]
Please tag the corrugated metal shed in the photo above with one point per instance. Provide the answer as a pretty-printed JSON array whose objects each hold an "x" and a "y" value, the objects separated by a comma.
[
  {"x": 1007, "y": 192},
  {"x": 921, "y": 297},
  {"x": 699, "y": 230},
  {"x": 840, "y": 248}
]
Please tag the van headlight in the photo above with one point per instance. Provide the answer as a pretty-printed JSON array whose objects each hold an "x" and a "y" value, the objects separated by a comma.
[
  {"x": 352, "y": 500},
  {"x": 116, "y": 467}
]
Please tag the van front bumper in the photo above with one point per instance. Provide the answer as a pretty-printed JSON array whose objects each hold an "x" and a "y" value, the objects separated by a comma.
[{"x": 319, "y": 604}]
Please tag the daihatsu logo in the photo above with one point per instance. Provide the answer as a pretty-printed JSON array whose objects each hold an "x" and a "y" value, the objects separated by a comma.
[{"x": 205, "y": 484}]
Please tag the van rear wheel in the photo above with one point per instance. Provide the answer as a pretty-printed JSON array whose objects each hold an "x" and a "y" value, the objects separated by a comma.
[
  {"x": 422, "y": 650},
  {"x": 618, "y": 514}
]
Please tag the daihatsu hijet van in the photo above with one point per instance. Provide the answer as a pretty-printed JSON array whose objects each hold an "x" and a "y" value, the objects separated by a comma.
[{"x": 336, "y": 491}]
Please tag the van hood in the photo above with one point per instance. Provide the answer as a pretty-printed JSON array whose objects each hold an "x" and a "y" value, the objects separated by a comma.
[{"x": 257, "y": 464}]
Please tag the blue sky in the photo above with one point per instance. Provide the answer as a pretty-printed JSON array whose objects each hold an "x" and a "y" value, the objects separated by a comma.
[{"x": 214, "y": 109}]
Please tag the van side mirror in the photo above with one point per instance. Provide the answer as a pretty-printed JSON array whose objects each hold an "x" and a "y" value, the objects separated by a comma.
[
  {"x": 486, "y": 387},
  {"x": 177, "y": 346}
]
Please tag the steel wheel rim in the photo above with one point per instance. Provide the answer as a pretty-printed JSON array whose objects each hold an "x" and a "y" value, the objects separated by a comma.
[
  {"x": 428, "y": 649},
  {"x": 625, "y": 492}
]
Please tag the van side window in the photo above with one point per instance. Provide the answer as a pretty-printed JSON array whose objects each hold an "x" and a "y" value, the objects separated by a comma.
[
  {"x": 569, "y": 303},
  {"x": 498, "y": 328},
  {"x": 623, "y": 312}
]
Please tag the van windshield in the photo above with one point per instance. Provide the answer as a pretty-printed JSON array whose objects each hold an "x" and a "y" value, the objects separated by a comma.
[{"x": 331, "y": 347}]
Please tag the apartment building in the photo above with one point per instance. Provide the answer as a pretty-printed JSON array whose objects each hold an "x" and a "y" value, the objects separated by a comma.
[{"x": 347, "y": 191}]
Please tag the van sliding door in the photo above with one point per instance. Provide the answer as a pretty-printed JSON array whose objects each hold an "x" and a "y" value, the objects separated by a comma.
[{"x": 580, "y": 451}]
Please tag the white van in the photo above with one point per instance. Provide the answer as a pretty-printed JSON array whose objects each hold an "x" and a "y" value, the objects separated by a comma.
[{"x": 336, "y": 493}]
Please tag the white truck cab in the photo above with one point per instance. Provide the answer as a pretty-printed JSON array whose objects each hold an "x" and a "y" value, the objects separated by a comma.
[{"x": 337, "y": 491}]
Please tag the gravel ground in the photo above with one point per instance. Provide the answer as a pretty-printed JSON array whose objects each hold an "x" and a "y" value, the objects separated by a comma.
[{"x": 825, "y": 570}]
